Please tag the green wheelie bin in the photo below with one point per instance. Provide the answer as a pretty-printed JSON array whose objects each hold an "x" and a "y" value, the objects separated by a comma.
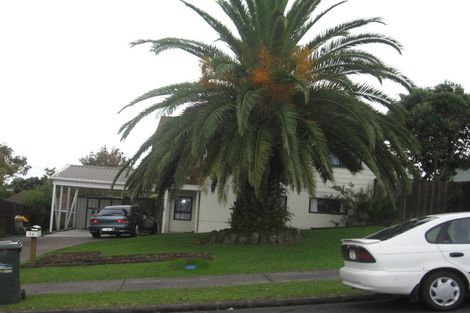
[{"x": 10, "y": 291}]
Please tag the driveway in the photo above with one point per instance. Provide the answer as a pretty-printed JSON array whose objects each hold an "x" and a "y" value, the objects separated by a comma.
[{"x": 53, "y": 241}]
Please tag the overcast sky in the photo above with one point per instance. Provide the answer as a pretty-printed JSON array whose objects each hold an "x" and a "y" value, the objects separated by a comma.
[{"x": 66, "y": 67}]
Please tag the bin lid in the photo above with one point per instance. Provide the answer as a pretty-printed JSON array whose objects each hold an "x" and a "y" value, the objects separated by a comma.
[{"x": 11, "y": 245}]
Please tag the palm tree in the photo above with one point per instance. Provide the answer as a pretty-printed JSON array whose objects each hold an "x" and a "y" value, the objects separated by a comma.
[{"x": 270, "y": 112}]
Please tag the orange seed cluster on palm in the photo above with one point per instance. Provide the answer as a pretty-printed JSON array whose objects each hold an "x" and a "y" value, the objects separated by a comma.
[{"x": 303, "y": 59}]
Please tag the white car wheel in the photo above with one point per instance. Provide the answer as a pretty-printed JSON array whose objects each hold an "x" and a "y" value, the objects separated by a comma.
[{"x": 443, "y": 291}]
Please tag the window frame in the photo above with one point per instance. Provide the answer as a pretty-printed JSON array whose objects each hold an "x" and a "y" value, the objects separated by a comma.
[
  {"x": 310, "y": 208},
  {"x": 175, "y": 211}
]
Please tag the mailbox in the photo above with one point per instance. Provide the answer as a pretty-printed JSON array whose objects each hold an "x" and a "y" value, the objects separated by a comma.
[{"x": 34, "y": 231}]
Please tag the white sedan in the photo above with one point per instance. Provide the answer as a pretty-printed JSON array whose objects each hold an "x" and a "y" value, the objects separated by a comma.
[{"x": 426, "y": 258}]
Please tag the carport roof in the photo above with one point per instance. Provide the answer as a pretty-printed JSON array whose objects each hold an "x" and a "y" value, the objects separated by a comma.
[{"x": 85, "y": 176}]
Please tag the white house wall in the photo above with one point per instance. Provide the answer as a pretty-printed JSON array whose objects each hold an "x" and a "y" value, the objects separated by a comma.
[
  {"x": 214, "y": 215},
  {"x": 299, "y": 203}
]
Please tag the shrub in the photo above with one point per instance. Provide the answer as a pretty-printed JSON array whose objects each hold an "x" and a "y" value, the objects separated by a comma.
[
  {"x": 37, "y": 203},
  {"x": 362, "y": 208}
]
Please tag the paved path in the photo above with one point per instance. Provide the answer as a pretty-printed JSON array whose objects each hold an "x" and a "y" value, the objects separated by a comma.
[
  {"x": 53, "y": 241},
  {"x": 179, "y": 282}
]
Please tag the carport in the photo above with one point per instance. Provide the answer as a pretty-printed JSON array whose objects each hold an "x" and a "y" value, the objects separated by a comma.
[{"x": 67, "y": 210}]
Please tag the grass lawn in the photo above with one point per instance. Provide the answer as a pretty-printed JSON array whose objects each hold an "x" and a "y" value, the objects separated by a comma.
[
  {"x": 182, "y": 296},
  {"x": 320, "y": 249}
]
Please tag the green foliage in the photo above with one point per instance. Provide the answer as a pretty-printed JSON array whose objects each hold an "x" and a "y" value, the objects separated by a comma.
[
  {"x": 37, "y": 203},
  {"x": 4, "y": 193},
  {"x": 272, "y": 105},
  {"x": 103, "y": 157},
  {"x": 362, "y": 208},
  {"x": 11, "y": 165},
  {"x": 19, "y": 184},
  {"x": 439, "y": 118}
]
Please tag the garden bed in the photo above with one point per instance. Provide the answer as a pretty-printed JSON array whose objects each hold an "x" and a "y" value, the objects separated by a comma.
[{"x": 96, "y": 258}]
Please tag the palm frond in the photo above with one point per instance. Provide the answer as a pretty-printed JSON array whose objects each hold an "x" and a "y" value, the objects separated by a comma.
[
  {"x": 245, "y": 106},
  {"x": 224, "y": 33}
]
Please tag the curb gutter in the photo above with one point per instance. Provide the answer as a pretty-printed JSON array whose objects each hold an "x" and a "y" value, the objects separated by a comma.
[{"x": 217, "y": 305}]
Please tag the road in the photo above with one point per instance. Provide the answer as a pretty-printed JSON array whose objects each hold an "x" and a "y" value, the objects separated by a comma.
[{"x": 389, "y": 305}]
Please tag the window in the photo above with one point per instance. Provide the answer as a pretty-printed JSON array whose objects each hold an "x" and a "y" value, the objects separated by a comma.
[
  {"x": 398, "y": 229},
  {"x": 452, "y": 232},
  {"x": 325, "y": 206},
  {"x": 433, "y": 233},
  {"x": 183, "y": 208},
  {"x": 336, "y": 162},
  {"x": 111, "y": 211},
  {"x": 459, "y": 231}
]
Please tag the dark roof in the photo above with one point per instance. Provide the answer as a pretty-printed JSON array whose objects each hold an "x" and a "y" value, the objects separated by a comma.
[{"x": 16, "y": 198}]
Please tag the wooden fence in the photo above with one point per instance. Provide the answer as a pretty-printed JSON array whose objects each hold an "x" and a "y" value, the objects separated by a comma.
[
  {"x": 8, "y": 210},
  {"x": 433, "y": 197}
]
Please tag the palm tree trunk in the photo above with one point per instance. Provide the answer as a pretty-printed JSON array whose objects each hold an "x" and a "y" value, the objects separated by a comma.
[{"x": 267, "y": 213}]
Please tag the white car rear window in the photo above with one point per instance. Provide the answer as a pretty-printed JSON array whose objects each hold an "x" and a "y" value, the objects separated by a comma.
[{"x": 398, "y": 229}]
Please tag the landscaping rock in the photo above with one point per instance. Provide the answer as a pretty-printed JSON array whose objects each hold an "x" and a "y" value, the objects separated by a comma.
[
  {"x": 225, "y": 236},
  {"x": 297, "y": 234},
  {"x": 221, "y": 236},
  {"x": 254, "y": 238},
  {"x": 289, "y": 237},
  {"x": 213, "y": 236},
  {"x": 282, "y": 237},
  {"x": 273, "y": 239},
  {"x": 263, "y": 238},
  {"x": 242, "y": 239},
  {"x": 230, "y": 238}
]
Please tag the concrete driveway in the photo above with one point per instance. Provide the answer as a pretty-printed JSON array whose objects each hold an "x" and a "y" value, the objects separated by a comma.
[{"x": 53, "y": 241}]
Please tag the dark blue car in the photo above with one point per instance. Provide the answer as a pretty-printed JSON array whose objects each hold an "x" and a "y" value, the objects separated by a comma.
[{"x": 122, "y": 219}]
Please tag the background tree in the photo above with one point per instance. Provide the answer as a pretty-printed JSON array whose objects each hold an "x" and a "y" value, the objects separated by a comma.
[
  {"x": 270, "y": 112},
  {"x": 11, "y": 165},
  {"x": 103, "y": 157},
  {"x": 37, "y": 200},
  {"x": 19, "y": 184},
  {"x": 439, "y": 117}
]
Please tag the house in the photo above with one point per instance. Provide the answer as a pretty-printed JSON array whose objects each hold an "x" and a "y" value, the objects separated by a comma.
[
  {"x": 192, "y": 209},
  {"x": 199, "y": 211}
]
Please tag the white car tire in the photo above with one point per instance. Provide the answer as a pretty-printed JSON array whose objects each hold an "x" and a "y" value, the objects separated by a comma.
[{"x": 443, "y": 291}]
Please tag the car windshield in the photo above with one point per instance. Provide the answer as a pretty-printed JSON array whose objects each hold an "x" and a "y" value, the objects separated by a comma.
[
  {"x": 398, "y": 229},
  {"x": 107, "y": 212}
]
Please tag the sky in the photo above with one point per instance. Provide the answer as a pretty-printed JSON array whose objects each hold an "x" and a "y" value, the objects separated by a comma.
[{"x": 66, "y": 66}]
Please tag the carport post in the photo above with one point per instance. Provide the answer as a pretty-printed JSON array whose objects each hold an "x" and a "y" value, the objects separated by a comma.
[
  {"x": 52, "y": 207},
  {"x": 165, "y": 208}
]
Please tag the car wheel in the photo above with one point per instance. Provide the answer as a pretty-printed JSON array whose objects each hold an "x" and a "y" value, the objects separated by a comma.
[
  {"x": 136, "y": 231},
  {"x": 443, "y": 291},
  {"x": 154, "y": 229},
  {"x": 96, "y": 235}
]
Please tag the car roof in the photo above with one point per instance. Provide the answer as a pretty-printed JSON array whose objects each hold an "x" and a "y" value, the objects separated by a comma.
[
  {"x": 453, "y": 215},
  {"x": 123, "y": 206}
]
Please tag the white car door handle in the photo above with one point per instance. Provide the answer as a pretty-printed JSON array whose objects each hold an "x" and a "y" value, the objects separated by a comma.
[{"x": 456, "y": 254}]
